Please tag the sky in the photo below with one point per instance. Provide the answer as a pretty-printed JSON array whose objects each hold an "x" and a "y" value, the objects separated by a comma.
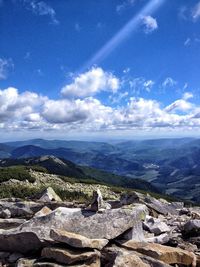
[{"x": 92, "y": 69}]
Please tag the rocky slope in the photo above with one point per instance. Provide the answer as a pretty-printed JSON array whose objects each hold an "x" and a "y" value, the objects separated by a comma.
[{"x": 131, "y": 229}]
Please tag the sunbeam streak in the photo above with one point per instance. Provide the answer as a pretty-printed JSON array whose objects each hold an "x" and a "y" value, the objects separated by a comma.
[{"x": 123, "y": 34}]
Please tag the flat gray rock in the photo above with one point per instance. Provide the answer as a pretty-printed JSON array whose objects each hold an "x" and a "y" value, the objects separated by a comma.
[{"x": 106, "y": 225}]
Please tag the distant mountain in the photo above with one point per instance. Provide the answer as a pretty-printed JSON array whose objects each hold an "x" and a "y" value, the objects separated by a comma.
[
  {"x": 5, "y": 151},
  {"x": 171, "y": 164}
]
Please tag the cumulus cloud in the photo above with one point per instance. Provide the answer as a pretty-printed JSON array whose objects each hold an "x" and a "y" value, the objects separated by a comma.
[
  {"x": 90, "y": 83},
  {"x": 150, "y": 24},
  {"x": 5, "y": 66},
  {"x": 31, "y": 111},
  {"x": 15, "y": 106}
]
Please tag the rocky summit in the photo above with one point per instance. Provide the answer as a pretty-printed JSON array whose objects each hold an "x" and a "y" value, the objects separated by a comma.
[{"x": 135, "y": 230}]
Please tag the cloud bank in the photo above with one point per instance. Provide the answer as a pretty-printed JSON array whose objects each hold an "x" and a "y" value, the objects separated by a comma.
[{"x": 86, "y": 113}]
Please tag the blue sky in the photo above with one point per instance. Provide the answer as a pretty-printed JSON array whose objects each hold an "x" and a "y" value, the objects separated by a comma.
[{"x": 76, "y": 69}]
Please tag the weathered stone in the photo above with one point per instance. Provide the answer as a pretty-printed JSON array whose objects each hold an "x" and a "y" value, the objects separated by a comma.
[
  {"x": 166, "y": 254},
  {"x": 24, "y": 262},
  {"x": 19, "y": 242},
  {"x": 158, "y": 206},
  {"x": 66, "y": 256},
  {"x": 19, "y": 208},
  {"x": 160, "y": 239},
  {"x": 44, "y": 211},
  {"x": 107, "y": 225},
  {"x": 153, "y": 204},
  {"x": 49, "y": 195},
  {"x": 192, "y": 227},
  {"x": 14, "y": 257},
  {"x": 5, "y": 214},
  {"x": 129, "y": 260},
  {"x": 136, "y": 233},
  {"x": 119, "y": 257},
  {"x": 155, "y": 226},
  {"x": 76, "y": 240},
  {"x": 10, "y": 223}
]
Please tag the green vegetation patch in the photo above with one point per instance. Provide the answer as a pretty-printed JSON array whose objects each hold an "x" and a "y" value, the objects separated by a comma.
[{"x": 15, "y": 172}]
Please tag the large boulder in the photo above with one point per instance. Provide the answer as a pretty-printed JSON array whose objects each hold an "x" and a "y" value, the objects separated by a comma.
[
  {"x": 106, "y": 225},
  {"x": 76, "y": 240},
  {"x": 49, "y": 195},
  {"x": 163, "y": 253},
  {"x": 19, "y": 242}
]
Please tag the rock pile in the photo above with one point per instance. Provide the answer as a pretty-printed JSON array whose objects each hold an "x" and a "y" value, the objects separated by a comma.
[{"x": 140, "y": 231}]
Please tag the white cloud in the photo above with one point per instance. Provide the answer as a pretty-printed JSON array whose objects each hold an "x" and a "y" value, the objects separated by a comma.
[
  {"x": 126, "y": 70},
  {"x": 41, "y": 8},
  {"x": 187, "y": 95},
  {"x": 5, "y": 66},
  {"x": 169, "y": 82},
  {"x": 31, "y": 111},
  {"x": 124, "y": 5},
  {"x": 139, "y": 84},
  {"x": 196, "y": 12},
  {"x": 150, "y": 24},
  {"x": 15, "y": 106},
  {"x": 90, "y": 83},
  {"x": 148, "y": 85}
]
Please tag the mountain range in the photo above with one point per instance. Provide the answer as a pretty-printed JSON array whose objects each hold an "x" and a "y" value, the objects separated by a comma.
[{"x": 172, "y": 165}]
